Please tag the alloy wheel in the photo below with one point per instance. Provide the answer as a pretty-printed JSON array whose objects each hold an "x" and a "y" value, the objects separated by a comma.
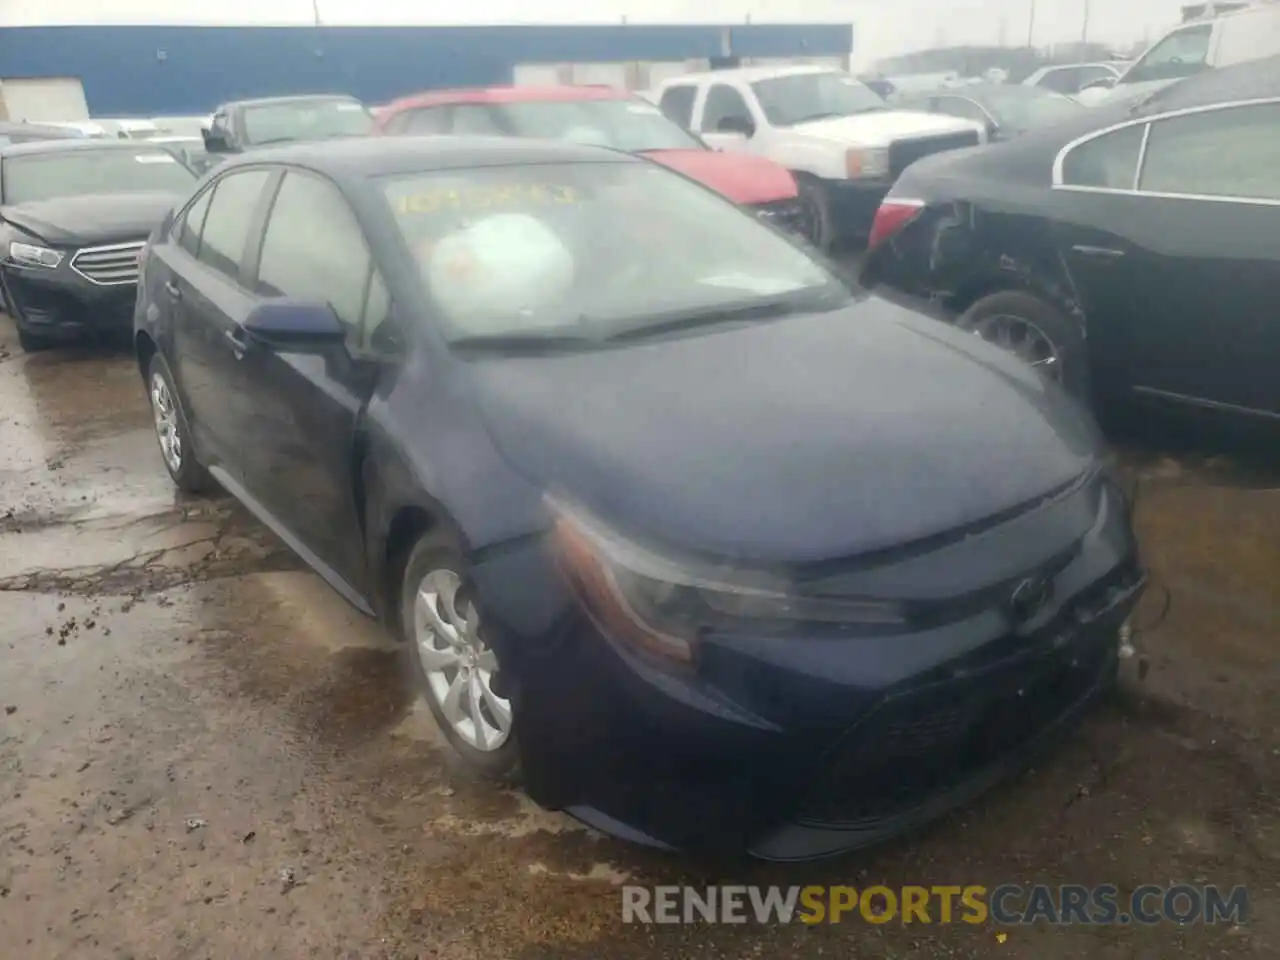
[
  {"x": 1022, "y": 338},
  {"x": 459, "y": 666},
  {"x": 168, "y": 429}
]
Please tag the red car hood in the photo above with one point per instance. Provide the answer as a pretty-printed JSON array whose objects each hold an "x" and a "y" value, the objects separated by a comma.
[{"x": 739, "y": 176}]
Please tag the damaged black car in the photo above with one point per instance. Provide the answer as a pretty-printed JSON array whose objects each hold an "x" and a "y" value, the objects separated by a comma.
[{"x": 74, "y": 215}]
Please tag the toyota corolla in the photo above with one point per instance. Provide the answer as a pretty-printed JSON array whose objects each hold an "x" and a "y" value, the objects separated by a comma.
[{"x": 717, "y": 552}]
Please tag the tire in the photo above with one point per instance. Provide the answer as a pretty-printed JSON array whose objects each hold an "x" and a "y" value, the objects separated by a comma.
[
  {"x": 1063, "y": 333},
  {"x": 442, "y": 667},
  {"x": 814, "y": 197},
  {"x": 187, "y": 473},
  {"x": 33, "y": 342}
]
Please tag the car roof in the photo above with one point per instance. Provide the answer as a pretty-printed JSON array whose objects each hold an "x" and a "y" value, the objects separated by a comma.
[
  {"x": 1254, "y": 80},
  {"x": 509, "y": 94},
  {"x": 360, "y": 157},
  {"x": 281, "y": 101},
  {"x": 751, "y": 74},
  {"x": 71, "y": 144},
  {"x": 51, "y": 131}
]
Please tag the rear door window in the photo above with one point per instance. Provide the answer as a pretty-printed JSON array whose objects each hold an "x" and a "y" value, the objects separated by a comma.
[
  {"x": 1107, "y": 162},
  {"x": 1231, "y": 152},
  {"x": 190, "y": 227},
  {"x": 225, "y": 235},
  {"x": 677, "y": 104}
]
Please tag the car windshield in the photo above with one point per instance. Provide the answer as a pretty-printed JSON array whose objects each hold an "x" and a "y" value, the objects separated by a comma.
[
  {"x": 593, "y": 252},
  {"x": 75, "y": 173},
  {"x": 1027, "y": 108},
  {"x": 630, "y": 125},
  {"x": 306, "y": 120},
  {"x": 814, "y": 96}
]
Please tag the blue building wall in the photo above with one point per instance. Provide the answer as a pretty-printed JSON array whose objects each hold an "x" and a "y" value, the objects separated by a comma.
[{"x": 184, "y": 70}]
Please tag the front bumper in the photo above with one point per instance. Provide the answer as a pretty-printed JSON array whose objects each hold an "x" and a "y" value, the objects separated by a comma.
[
  {"x": 802, "y": 746},
  {"x": 61, "y": 303}
]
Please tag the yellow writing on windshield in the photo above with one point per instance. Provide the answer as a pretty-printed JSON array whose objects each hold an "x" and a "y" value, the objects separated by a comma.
[{"x": 487, "y": 198}]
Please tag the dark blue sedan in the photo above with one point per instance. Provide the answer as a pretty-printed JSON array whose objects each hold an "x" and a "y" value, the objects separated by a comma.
[{"x": 719, "y": 553}]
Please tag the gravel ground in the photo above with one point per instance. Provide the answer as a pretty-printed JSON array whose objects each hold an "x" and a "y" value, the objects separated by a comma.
[{"x": 205, "y": 754}]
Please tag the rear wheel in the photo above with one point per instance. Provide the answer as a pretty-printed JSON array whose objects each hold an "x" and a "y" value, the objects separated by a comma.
[
  {"x": 456, "y": 668},
  {"x": 1037, "y": 333},
  {"x": 172, "y": 431}
]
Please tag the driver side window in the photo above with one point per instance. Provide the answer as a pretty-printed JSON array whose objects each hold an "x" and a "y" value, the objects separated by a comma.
[
  {"x": 1178, "y": 55},
  {"x": 724, "y": 103}
]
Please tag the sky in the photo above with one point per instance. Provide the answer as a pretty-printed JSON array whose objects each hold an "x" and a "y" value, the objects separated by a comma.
[{"x": 881, "y": 27}]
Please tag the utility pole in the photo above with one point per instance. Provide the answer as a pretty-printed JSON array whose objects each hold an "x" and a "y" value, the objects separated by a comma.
[
  {"x": 315, "y": 12},
  {"x": 1031, "y": 26},
  {"x": 1084, "y": 28}
]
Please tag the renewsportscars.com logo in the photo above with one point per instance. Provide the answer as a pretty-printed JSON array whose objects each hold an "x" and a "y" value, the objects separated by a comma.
[{"x": 1005, "y": 905}]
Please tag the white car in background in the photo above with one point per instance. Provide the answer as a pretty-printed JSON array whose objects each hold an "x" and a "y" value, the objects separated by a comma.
[
  {"x": 1071, "y": 78},
  {"x": 843, "y": 143},
  {"x": 1191, "y": 48}
]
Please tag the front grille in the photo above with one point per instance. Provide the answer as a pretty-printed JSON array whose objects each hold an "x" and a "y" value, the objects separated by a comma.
[
  {"x": 903, "y": 153},
  {"x": 789, "y": 215},
  {"x": 109, "y": 265},
  {"x": 919, "y": 746}
]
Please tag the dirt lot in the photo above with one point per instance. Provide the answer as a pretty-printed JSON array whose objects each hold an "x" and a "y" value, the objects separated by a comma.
[{"x": 205, "y": 754}]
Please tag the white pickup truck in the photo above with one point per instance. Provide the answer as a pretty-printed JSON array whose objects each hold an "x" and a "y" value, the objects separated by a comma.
[{"x": 842, "y": 142}]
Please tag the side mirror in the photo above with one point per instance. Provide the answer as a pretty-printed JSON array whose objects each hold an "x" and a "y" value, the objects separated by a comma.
[
  {"x": 993, "y": 130},
  {"x": 294, "y": 325},
  {"x": 215, "y": 141},
  {"x": 739, "y": 125}
]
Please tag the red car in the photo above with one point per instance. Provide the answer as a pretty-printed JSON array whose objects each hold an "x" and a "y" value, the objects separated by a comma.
[{"x": 607, "y": 117}]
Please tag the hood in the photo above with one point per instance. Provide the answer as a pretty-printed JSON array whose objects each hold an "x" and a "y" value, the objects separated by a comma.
[
  {"x": 741, "y": 177},
  {"x": 883, "y": 126},
  {"x": 92, "y": 219},
  {"x": 807, "y": 438}
]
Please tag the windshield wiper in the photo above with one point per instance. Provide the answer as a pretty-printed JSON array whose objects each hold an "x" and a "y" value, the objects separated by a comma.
[
  {"x": 547, "y": 340},
  {"x": 751, "y": 311}
]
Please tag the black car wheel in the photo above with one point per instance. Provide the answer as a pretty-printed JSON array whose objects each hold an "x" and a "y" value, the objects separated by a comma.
[
  {"x": 1036, "y": 332},
  {"x": 818, "y": 219},
  {"x": 456, "y": 669},
  {"x": 173, "y": 432}
]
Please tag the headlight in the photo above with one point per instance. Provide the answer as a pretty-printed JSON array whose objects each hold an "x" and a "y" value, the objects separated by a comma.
[
  {"x": 866, "y": 162},
  {"x": 28, "y": 254},
  {"x": 662, "y": 605}
]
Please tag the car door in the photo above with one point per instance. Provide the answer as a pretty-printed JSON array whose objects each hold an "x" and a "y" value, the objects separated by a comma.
[
  {"x": 1175, "y": 261},
  {"x": 308, "y": 404},
  {"x": 209, "y": 300},
  {"x": 1209, "y": 195}
]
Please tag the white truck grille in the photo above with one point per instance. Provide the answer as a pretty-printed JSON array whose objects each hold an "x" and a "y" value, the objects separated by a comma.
[{"x": 110, "y": 264}]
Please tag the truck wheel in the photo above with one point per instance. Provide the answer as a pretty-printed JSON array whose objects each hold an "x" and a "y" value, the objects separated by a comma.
[
  {"x": 813, "y": 197},
  {"x": 1036, "y": 332}
]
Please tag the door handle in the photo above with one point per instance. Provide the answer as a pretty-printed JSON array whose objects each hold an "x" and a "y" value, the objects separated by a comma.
[
  {"x": 236, "y": 338},
  {"x": 173, "y": 289},
  {"x": 1102, "y": 253}
]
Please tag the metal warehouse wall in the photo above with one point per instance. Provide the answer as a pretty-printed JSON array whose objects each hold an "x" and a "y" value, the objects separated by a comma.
[{"x": 155, "y": 70}]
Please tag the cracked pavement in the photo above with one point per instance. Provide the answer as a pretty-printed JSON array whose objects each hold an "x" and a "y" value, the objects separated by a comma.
[{"x": 204, "y": 753}]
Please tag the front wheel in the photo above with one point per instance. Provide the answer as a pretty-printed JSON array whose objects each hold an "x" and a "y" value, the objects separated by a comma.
[
  {"x": 456, "y": 668},
  {"x": 1035, "y": 332},
  {"x": 173, "y": 432},
  {"x": 819, "y": 219}
]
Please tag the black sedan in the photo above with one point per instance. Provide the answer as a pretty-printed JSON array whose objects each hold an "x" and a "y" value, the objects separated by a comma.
[
  {"x": 1006, "y": 109},
  {"x": 1135, "y": 250},
  {"x": 241, "y": 124},
  {"x": 74, "y": 213},
  {"x": 718, "y": 552}
]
